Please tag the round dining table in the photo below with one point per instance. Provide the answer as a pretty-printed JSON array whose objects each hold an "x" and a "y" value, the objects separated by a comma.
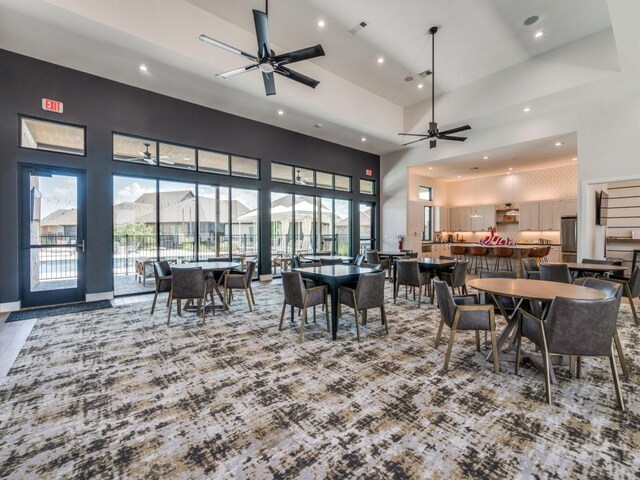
[
  {"x": 209, "y": 267},
  {"x": 590, "y": 267}
]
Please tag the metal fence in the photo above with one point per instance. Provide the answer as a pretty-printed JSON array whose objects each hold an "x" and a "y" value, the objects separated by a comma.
[{"x": 285, "y": 245}]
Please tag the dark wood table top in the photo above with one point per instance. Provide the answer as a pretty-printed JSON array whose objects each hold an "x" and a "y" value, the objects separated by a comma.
[
  {"x": 590, "y": 267},
  {"x": 334, "y": 270},
  {"x": 534, "y": 289},
  {"x": 318, "y": 258},
  {"x": 392, "y": 254},
  {"x": 208, "y": 266}
]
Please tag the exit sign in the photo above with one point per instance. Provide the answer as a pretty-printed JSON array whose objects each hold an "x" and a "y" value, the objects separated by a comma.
[
  {"x": 368, "y": 172},
  {"x": 52, "y": 105}
]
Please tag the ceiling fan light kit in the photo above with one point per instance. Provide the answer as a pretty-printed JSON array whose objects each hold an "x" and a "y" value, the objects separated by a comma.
[
  {"x": 266, "y": 60},
  {"x": 433, "y": 135}
]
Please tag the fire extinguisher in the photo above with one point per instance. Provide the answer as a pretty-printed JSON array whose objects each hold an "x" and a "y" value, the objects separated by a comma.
[{"x": 400, "y": 238}]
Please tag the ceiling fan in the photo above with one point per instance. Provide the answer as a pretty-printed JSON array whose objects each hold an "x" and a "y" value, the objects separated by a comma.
[
  {"x": 433, "y": 134},
  {"x": 150, "y": 159},
  {"x": 266, "y": 60},
  {"x": 303, "y": 180}
]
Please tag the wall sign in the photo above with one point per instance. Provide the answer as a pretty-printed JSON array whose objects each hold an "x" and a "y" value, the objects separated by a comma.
[
  {"x": 52, "y": 105},
  {"x": 368, "y": 172}
]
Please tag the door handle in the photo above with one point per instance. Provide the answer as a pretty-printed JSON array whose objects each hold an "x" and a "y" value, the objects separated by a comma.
[{"x": 81, "y": 246}]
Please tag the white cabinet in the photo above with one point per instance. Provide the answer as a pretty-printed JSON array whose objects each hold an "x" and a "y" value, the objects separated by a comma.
[
  {"x": 460, "y": 219},
  {"x": 529, "y": 216},
  {"x": 569, "y": 207},
  {"x": 440, "y": 219},
  {"x": 554, "y": 255},
  {"x": 482, "y": 217},
  {"x": 550, "y": 213},
  {"x": 489, "y": 216}
]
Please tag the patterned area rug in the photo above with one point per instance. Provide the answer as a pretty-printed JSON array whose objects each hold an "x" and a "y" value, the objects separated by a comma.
[{"x": 118, "y": 393}]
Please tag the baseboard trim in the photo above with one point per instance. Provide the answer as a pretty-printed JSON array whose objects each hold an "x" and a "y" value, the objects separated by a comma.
[
  {"x": 266, "y": 278},
  {"x": 10, "y": 306},
  {"x": 95, "y": 297}
]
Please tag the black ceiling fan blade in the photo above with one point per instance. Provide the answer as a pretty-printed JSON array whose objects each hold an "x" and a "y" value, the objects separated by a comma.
[
  {"x": 237, "y": 71},
  {"x": 455, "y": 130},
  {"x": 299, "y": 55},
  {"x": 415, "y": 141},
  {"x": 228, "y": 48},
  {"x": 432, "y": 144},
  {"x": 297, "y": 77},
  {"x": 262, "y": 33},
  {"x": 449, "y": 137},
  {"x": 269, "y": 83},
  {"x": 415, "y": 134}
]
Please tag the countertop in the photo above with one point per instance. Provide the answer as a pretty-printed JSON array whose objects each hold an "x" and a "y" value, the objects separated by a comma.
[{"x": 478, "y": 244}]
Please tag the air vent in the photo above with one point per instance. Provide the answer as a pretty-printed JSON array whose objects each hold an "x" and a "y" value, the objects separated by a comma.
[
  {"x": 424, "y": 74},
  {"x": 357, "y": 28}
]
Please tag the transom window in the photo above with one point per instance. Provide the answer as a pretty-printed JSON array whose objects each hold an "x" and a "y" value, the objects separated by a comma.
[{"x": 51, "y": 136}]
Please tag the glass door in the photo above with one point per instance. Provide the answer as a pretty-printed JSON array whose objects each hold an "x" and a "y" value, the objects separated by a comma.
[
  {"x": 52, "y": 236},
  {"x": 367, "y": 227}
]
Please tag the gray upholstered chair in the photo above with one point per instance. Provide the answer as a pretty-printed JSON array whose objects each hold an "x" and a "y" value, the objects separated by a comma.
[
  {"x": 358, "y": 260},
  {"x": 374, "y": 266},
  {"x": 457, "y": 278},
  {"x": 508, "y": 304},
  {"x": 611, "y": 290},
  {"x": 369, "y": 293},
  {"x": 555, "y": 273},
  {"x": 631, "y": 289},
  {"x": 240, "y": 281},
  {"x": 189, "y": 284},
  {"x": 297, "y": 295},
  {"x": 582, "y": 328},
  {"x": 162, "y": 273},
  {"x": 373, "y": 257},
  {"x": 463, "y": 312},
  {"x": 594, "y": 261},
  {"x": 330, "y": 261},
  {"x": 530, "y": 269},
  {"x": 409, "y": 275}
]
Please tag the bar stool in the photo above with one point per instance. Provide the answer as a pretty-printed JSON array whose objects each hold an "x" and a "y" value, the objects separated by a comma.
[
  {"x": 544, "y": 253},
  {"x": 459, "y": 252},
  {"x": 503, "y": 253},
  {"x": 535, "y": 253},
  {"x": 477, "y": 254}
]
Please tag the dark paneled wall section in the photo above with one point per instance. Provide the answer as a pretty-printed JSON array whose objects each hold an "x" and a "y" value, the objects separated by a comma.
[{"x": 104, "y": 106}]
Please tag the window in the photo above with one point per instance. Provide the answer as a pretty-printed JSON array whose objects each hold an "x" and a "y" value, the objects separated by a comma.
[
  {"x": 367, "y": 227},
  {"x": 213, "y": 162},
  {"x": 367, "y": 187},
  {"x": 244, "y": 167},
  {"x": 51, "y": 136},
  {"x": 427, "y": 232},
  {"x": 425, "y": 193},
  {"x": 342, "y": 183},
  {"x": 306, "y": 177},
  {"x": 324, "y": 180},
  {"x": 134, "y": 149},
  {"x": 281, "y": 173},
  {"x": 176, "y": 156}
]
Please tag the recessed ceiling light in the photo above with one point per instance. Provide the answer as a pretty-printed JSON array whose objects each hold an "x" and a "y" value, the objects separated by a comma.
[
  {"x": 319, "y": 125},
  {"x": 559, "y": 144},
  {"x": 526, "y": 110},
  {"x": 459, "y": 176},
  {"x": 363, "y": 139},
  {"x": 321, "y": 23},
  {"x": 510, "y": 168},
  {"x": 539, "y": 34},
  {"x": 380, "y": 60},
  {"x": 430, "y": 168},
  {"x": 143, "y": 67},
  {"x": 420, "y": 85},
  {"x": 408, "y": 79},
  {"x": 485, "y": 158},
  {"x": 508, "y": 173},
  {"x": 575, "y": 159},
  {"x": 531, "y": 20},
  {"x": 280, "y": 112}
]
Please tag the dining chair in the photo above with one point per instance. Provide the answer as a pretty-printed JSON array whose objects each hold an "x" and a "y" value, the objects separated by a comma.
[
  {"x": 330, "y": 261},
  {"x": 409, "y": 274},
  {"x": 189, "y": 284},
  {"x": 508, "y": 304},
  {"x": 611, "y": 290},
  {"x": 464, "y": 312},
  {"x": 530, "y": 269},
  {"x": 555, "y": 273},
  {"x": 459, "y": 252},
  {"x": 297, "y": 295},
  {"x": 581, "y": 328},
  {"x": 240, "y": 281},
  {"x": 369, "y": 293},
  {"x": 631, "y": 289},
  {"x": 456, "y": 278},
  {"x": 373, "y": 257},
  {"x": 358, "y": 260},
  {"x": 162, "y": 274}
]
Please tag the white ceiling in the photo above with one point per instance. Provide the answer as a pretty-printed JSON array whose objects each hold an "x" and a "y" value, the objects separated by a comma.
[{"x": 482, "y": 46}]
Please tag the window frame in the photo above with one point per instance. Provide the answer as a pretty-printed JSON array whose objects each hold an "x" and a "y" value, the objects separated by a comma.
[
  {"x": 373, "y": 187},
  {"x": 428, "y": 189},
  {"x": 47, "y": 120},
  {"x": 429, "y": 237}
]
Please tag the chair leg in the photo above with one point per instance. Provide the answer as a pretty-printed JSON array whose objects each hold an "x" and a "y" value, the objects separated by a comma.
[
  {"x": 355, "y": 313},
  {"x": 383, "y": 317},
  {"x": 204, "y": 307},
  {"x": 314, "y": 314},
  {"x": 478, "y": 340},
  {"x": 167, "y": 300},
  {"x": 246, "y": 292},
  {"x": 153, "y": 305},
  {"x": 631, "y": 304},
  {"x": 180, "y": 307},
  {"x": 395, "y": 292},
  {"x": 251, "y": 292},
  {"x": 303, "y": 322},
  {"x": 170, "y": 306},
  {"x": 449, "y": 348},
  {"x": 547, "y": 372},
  {"x": 439, "y": 332},
  {"x": 616, "y": 382},
  {"x": 364, "y": 317},
  {"x": 284, "y": 308},
  {"x": 518, "y": 345},
  {"x": 623, "y": 361},
  {"x": 494, "y": 344},
  {"x": 326, "y": 312}
]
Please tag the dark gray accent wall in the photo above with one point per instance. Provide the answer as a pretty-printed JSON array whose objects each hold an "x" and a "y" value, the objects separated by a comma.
[{"x": 104, "y": 106}]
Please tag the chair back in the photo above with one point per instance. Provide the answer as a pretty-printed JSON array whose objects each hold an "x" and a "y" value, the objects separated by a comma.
[
  {"x": 162, "y": 269},
  {"x": 593, "y": 261},
  {"x": 294, "y": 288},
  {"x": 580, "y": 327},
  {"x": 248, "y": 273},
  {"x": 374, "y": 266},
  {"x": 503, "y": 252},
  {"x": 370, "y": 290},
  {"x": 634, "y": 282},
  {"x": 530, "y": 265},
  {"x": 187, "y": 283},
  {"x": 373, "y": 257},
  {"x": 497, "y": 274},
  {"x": 458, "y": 250},
  {"x": 358, "y": 261},
  {"x": 445, "y": 301},
  {"x": 408, "y": 273},
  {"x": 330, "y": 261},
  {"x": 295, "y": 261},
  {"x": 459, "y": 274},
  {"x": 610, "y": 289},
  {"x": 478, "y": 251},
  {"x": 555, "y": 273}
]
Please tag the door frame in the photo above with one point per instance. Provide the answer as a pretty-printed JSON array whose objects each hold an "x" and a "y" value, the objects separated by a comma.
[{"x": 59, "y": 296}]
